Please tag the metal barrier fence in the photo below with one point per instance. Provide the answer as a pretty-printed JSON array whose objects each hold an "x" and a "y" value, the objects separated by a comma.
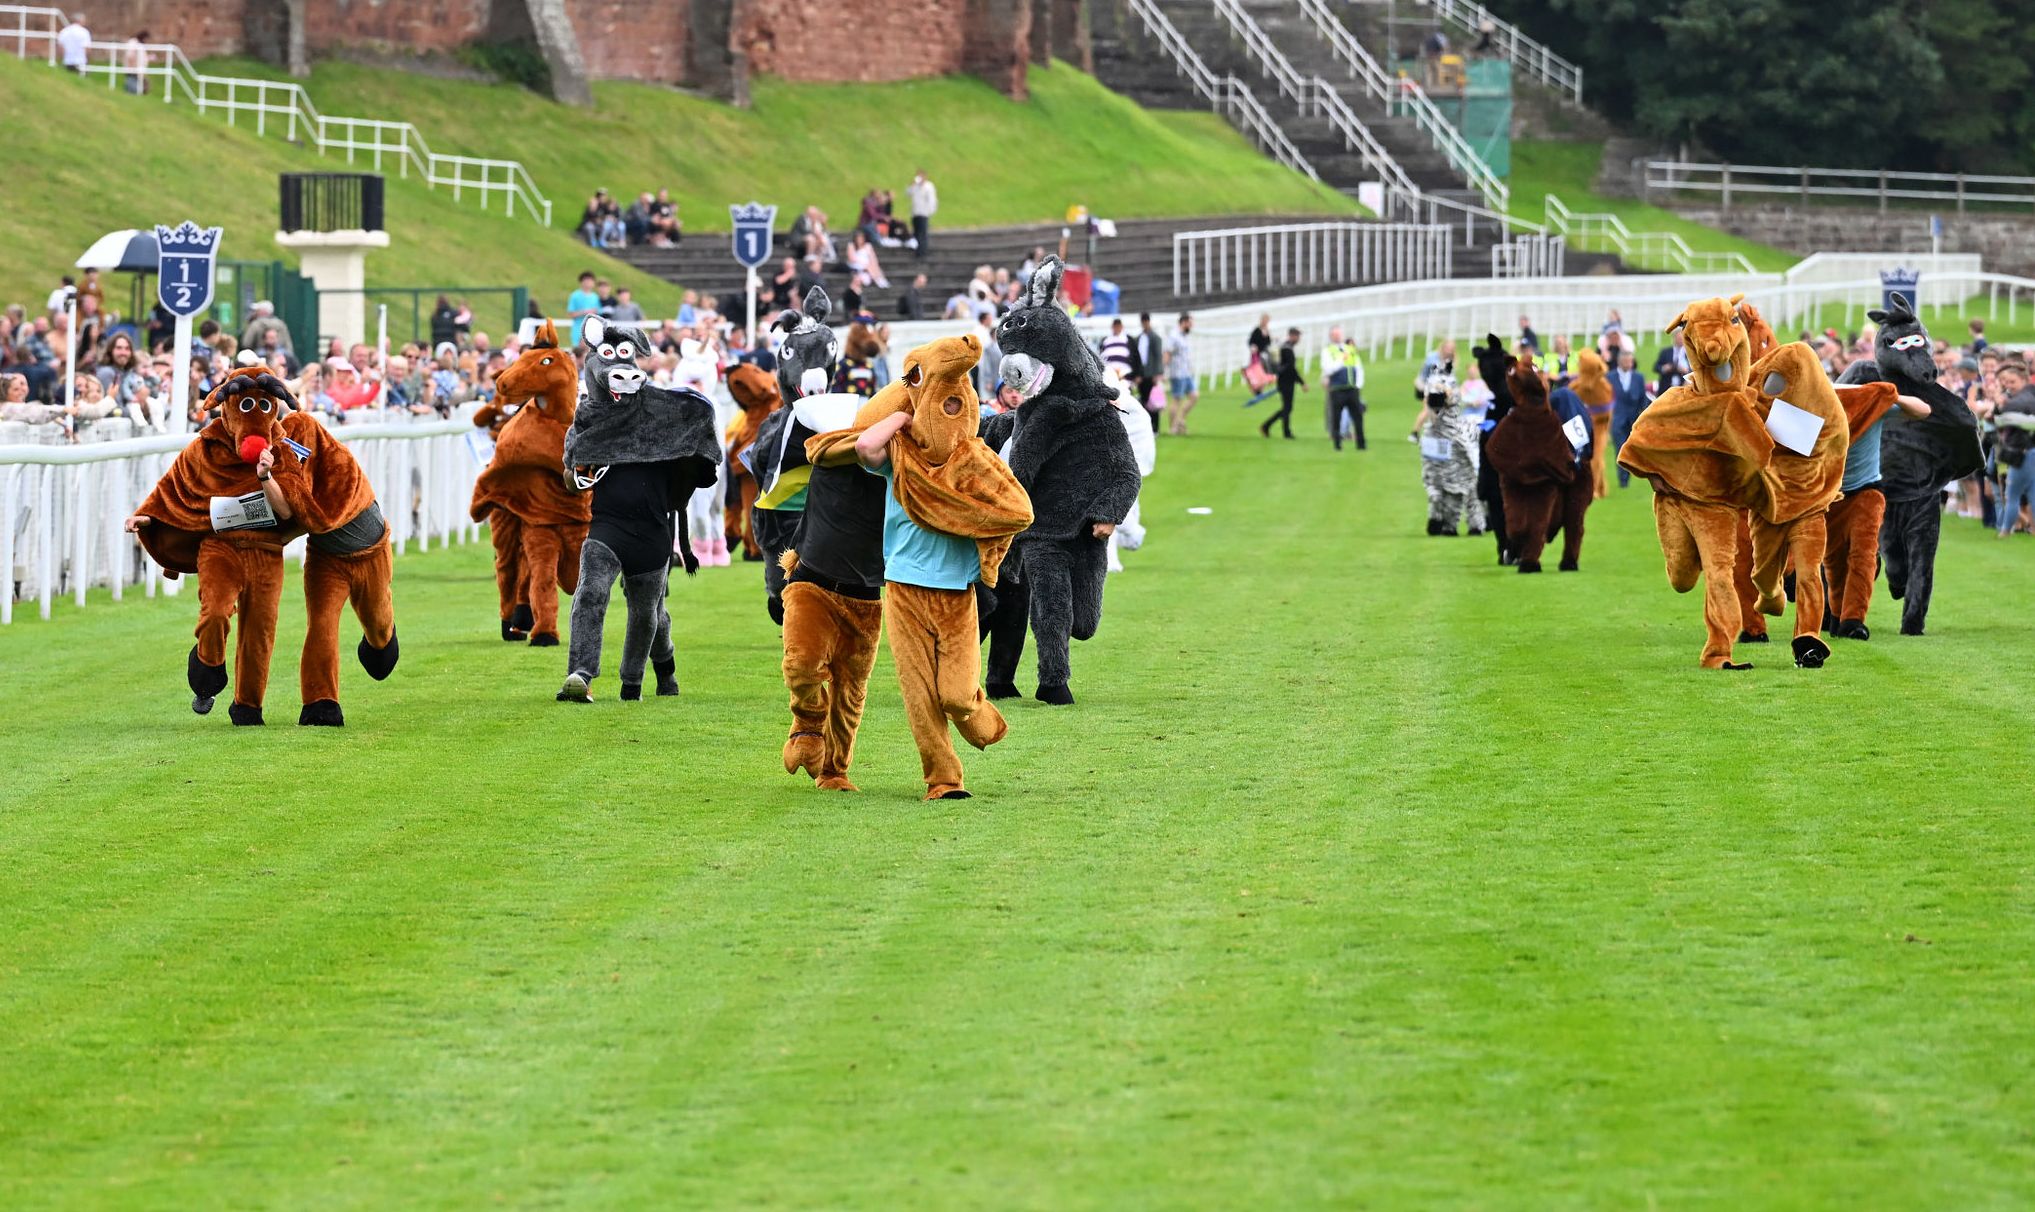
[
  {"x": 286, "y": 107},
  {"x": 62, "y": 507},
  {"x": 1529, "y": 56},
  {"x": 1530, "y": 256},
  {"x": 1285, "y": 256},
  {"x": 1663, "y": 250},
  {"x": 1726, "y": 181}
]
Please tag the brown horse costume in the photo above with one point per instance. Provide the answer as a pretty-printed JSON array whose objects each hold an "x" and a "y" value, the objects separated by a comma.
[
  {"x": 1593, "y": 388},
  {"x": 755, "y": 391},
  {"x": 1536, "y": 464},
  {"x": 537, "y": 522},
  {"x": 329, "y": 498},
  {"x": 947, "y": 480}
]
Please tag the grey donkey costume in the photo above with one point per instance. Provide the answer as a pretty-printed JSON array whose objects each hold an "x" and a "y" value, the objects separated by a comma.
[
  {"x": 642, "y": 451},
  {"x": 1069, "y": 451},
  {"x": 1448, "y": 473},
  {"x": 805, "y": 367},
  {"x": 1917, "y": 457}
]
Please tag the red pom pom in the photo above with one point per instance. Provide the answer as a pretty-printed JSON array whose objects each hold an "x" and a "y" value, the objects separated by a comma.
[{"x": 251, "y": 447}]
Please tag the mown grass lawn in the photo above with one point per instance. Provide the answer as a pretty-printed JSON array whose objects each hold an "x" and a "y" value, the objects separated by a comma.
[{"x": 1365, "y": 874}]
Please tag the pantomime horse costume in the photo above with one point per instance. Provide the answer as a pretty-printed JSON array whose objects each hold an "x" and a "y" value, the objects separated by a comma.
[{"x": 535, "y": 519}]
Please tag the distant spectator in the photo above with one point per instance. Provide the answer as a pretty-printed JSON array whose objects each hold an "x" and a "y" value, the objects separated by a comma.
[
  {"x": 60, "y": 299},
  {"x": 445, "y": 319},
  {"x": 809, "y": 276},
  {"x": 665, "y": 229},
  {"x": 863, "y": 267},
  {"x": 579, "y": 305},
  {"x": 1671, "y": 367},
  {"x": 784, "y": 285},
  {"x": 600, "y": 224},
  {"x": 689, "y": 309},
  {"x": 990, "y": 367},
  {"x": 136, "y": 53},
  {"x": 910, "y": 304},
  {"x": 120, "y": 367},
  {"x": 263, "y": 323},
  {"x": 925, "y": 200},
  {"x": 1978, "y": 336},
  {"x": 624, "y": 310},
  {"x": 1182, "y": 392},
  {"x": 74, "y": 41},
  {"x": 636, "y": 220},
  {"x": 346, "y": 387},
  {"x": 1527, "y": 337},
  {"x": 1148, "y": 346},
  {"x": 1116, "y": 349},
  {"x": 16, "y": 406},
  {"x": 92, "y": 287}
]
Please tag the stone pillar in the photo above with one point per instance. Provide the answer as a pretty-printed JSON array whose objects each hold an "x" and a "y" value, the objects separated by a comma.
[
  {"x": 998, "y": 43},
  {"x": 714, "y": 64},
  {"x": 337, "y": 260},
  {"x": 1072, "y": 38},
  {"x": 1043, "y": 18},
  {"x": 274, "y": 33},
  {"x": 545, "y": 24}
]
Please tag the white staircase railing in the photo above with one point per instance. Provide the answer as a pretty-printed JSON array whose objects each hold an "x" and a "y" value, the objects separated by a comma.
[
  {"x": 1641, "y": 250},
  {"x": 1403, "y": 95},
  {"x": 1228, "y": 95},
  {"x": 1529, "y": 56},
  {"x": 284, "y": 108},
  {"x": 1286, "y": 256},
  {"x": 1529, "y": 256}
]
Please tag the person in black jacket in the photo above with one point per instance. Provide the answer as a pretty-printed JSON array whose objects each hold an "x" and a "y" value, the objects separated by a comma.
[
  {"x": 1289, "y": 378},
  {"x": 1068, "y": 448}
]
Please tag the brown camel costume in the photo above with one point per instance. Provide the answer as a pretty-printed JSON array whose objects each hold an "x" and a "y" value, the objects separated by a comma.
[
  {"x": 946, "y": 481},
  {"x": 1706, "y": 451},
  {"x": 755, "y": 390},
  {"x": 1790, "y": 529},
  {"x": 1593, "y": 388},
  {"x": 537, "y": 522},
  {"x": 1536, "y": 463},
  {"x": 328, "y": 497}
]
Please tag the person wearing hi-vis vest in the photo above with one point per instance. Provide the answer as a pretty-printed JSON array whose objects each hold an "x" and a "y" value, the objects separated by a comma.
[{"x": 1342, "y": 374}]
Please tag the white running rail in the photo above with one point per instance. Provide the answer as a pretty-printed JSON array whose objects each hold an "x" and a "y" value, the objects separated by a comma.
[
  {"x": 1758, "y": 180},
  {"x": 61, "y": 507},
  {"x": 1601, "y": 232},
  {"x": 283, "y": 108},
  {"x": 1529, "y": 56},
  {"x": 1228, "y": 95},
  {"x": 1286, "y": 256},
  {"x": 1403, "y": 94}
]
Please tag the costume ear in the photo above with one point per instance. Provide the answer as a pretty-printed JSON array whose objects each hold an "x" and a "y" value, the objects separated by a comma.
[
  {"x": 1492, "y": 343},
  {"x": 1877, "y": 316},
  {"x": 594, "y": 331},
  {"x": 1734, "y": 301},
  {"x": 547, "y": 336},
  {"x": 817, "y": 305},
  {"x": 1045, "y": 283},
  {"x": 1681, "y": 318}
]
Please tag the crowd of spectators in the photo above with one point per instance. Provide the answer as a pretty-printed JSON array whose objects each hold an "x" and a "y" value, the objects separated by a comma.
[{"x": 652, "y": 220}]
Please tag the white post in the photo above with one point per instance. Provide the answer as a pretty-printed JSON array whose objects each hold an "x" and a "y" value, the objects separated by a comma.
[
  {"x": 71, "y": 370},
  {"x": 752, "y": 282},
  {"x": 180, "y": 377}
]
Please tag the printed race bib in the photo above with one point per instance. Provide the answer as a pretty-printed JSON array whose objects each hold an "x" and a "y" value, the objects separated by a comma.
[
  {"x": 250, "y": 512},
  {"x": 1793, "y": 427},
  {"x": 1437, "y": 450},
  {"x": 1577, "y": 430}
]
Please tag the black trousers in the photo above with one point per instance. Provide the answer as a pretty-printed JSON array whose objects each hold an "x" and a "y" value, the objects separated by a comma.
[
  {"x": 1908, "y": 538},
  {"x": 921, "y": 232},
  {"x": 1284, "y": 417},
  {"x": 1345, "y": 402}
]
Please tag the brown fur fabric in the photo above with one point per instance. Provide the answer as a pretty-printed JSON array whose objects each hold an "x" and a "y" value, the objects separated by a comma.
[
  {"x": 1701, "y": 540},
  {"x": 1535, "y": 464},
  {"x": 938, "y": 652},
  {"x": 829, "y": 649},
  {"x": 236, "y": 574},
  {"x": 756, "y": 392},
  {"x": 1852, "y": 554},
  {"x": 332, "y": 582},
  {"x": 537, "y": 522}
]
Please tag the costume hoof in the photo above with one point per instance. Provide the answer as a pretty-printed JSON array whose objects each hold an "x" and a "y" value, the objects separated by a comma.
[
  {"x": 947, "y": 791},
  {"x": 1911, "y": 629},
  {"x": 578, "y": 688},
  {"x": 521, "y": 619},
  {"x": 1897, "y": 588},
  {"x": 206, "y": 680},
  {"x": 1773, "y": 606},
  {"x": 1529, "y": 565},
  {"x": 804, "y": 751},
  {"x": 1057, "y": 696},
  {"x": 202, "y": 703},
  {"x": 512, "y": 635},
  {"x": 379, "y": 662},
  {"x": 1736, "y": 665},
  {"x": 1449, "y": 532},
  {"x": 776, "y": 608},
  {"x": 752, "y": 557},
  {"x": 1569, "y": 566},
  {"x": 322, "y": 713},
  {"x": 836, "y": 782},
  {"x": 1811, "y": 651},
  {"x": 667, "y": 678},
  {"x": 1000, "y": 690},
  {"x": 1751, "y": 637},
  {"x": 632, "y": 692},
  {"x": 543, "y": 639},
  {"x": 244, "y": 716},
  {"x": 1476, "y": 532},
  {"x": 1852, "y": 629}
]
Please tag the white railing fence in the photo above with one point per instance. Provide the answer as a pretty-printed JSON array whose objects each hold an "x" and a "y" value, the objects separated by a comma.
[
  {"x": 62, "y": 507},
  {"x": 1531, "y": 57},
  {"x": 1402, "y": 95},
  {"x": 1756, "y": 182},
  {"x": 1285, "y": 256},
  {"x": 282, "y": 108},
  {"x": 1529, "y": 256},
  {"x": 1597, "y": 232},
  {"x": 1227, "y": 95}
]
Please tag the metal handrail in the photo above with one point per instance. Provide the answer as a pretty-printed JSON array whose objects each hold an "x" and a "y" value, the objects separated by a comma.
[
  {"x": 1283, "y": 255},
  {"x": 1881, "y": 184},
  {"x": 1226, "y": 94},
  {"x": 1397, "y": 91},
  {"x": 1648, "y": 249},
  {"x": 294, "y": 115},
  {"x": 1520, "y": 50}
]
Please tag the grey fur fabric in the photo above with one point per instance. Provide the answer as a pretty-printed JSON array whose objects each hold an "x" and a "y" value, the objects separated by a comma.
[
  {"x": 647, "y": 425},
  {"x": 648, "y": 635},
  {"x": 1063, "y": 581}
]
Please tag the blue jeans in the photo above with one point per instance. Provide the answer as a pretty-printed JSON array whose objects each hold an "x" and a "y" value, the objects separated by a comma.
[
  {"x": 2020, "y": 491},
  {"x": 1621, "y": 429}
]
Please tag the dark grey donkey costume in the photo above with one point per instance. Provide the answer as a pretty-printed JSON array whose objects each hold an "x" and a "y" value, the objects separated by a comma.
[
  {"x": 642, "y": 451},
  {"x": 1917, "y": 457},
  {"x": 805, "y": 367},
  {"x": 1069, "y": 451}
]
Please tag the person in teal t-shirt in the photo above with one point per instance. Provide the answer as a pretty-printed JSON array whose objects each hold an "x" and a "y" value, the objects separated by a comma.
[{"x": 582, "y": 303}]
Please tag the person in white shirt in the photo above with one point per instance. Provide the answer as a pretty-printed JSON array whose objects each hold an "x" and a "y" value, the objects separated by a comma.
[
  {"x": 925, "y": 200},
  {"x": 75, "y": 43}
]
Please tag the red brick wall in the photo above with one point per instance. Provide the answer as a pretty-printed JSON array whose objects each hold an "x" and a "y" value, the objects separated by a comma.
[
  {"x": 439, "y": 25},
  {"x": 888, "y": 39},
  {"x": 201, "y": 27},
  {"x": 631, "y": 39}
]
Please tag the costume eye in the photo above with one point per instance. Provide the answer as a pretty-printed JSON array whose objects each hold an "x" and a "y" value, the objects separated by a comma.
[
  {"x": 265, "y": 405},
  {"x": 625, "y": 350},
  {"x": 1735, "y": 319},
  {"x": 607, "y": 351},
  {"x": 547, "y": 362},
  {"x": 914, "y": 375},
  {"x": 246, "y": 404}
]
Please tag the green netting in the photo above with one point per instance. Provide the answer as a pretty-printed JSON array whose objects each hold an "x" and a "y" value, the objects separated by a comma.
[{"x": 1481, "y": 109}]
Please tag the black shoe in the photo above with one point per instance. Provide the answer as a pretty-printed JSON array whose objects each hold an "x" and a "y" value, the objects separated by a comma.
[
  {"x": 1529, "y": 565},
  {"x": 323, "y": 713},
  {"x": 244, "y": 717},
  {"x": 206, "y": 681},
  {"x": 511, "y": 634},
  {"x": 632, "y": 692},
  {"x": 1811, "y": 651},
  {"x": 1852, "y": 629},
  {"x": 667, "y": 678},
  {"x": 379, "y": 662},
  {"x": 1001, "y": 690},
  {"x": 1058, "y": 696},
  {"x": 1746, "y": 637},
  {"x": 543, "y": 639}
]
